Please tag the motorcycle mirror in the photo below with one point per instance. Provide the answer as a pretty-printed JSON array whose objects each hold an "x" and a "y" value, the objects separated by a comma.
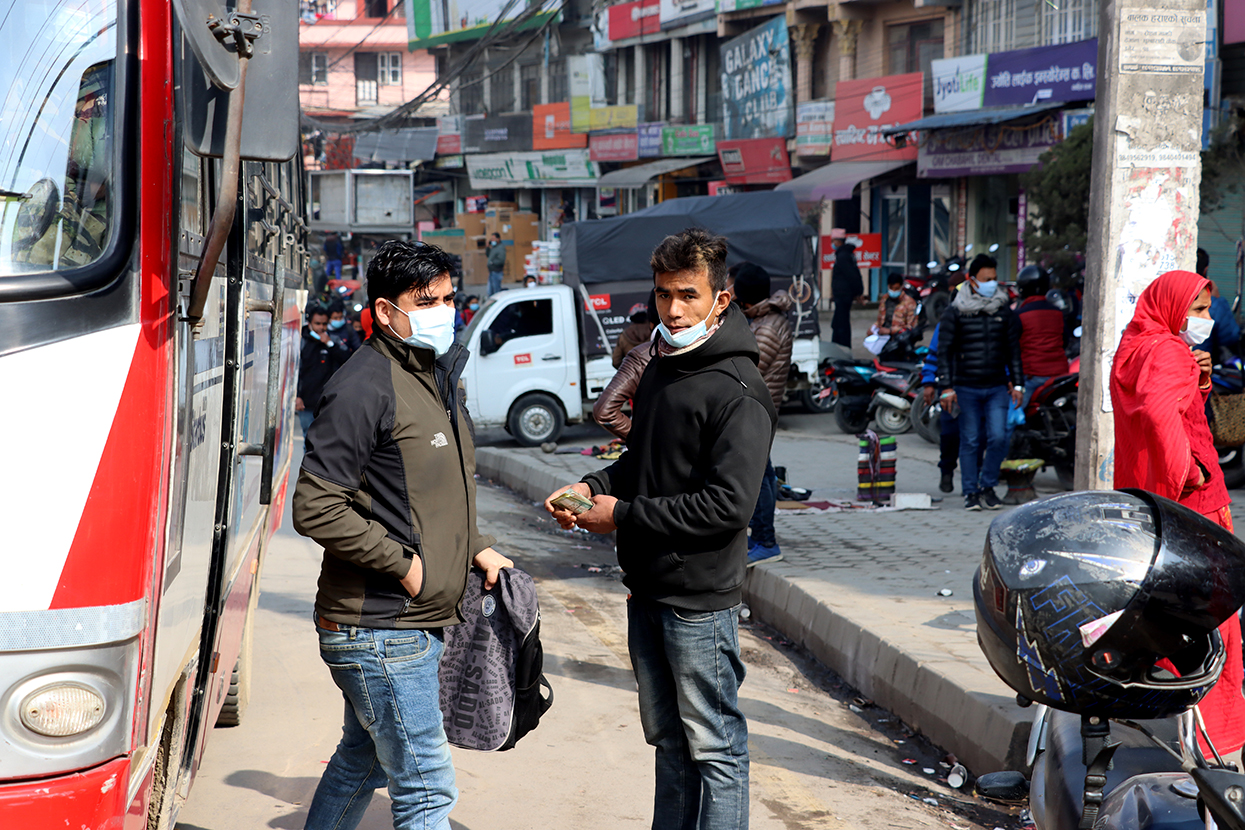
[
  {"x": 933, "y": 263},
  {"x": 993, "y": 247},
  {"x": 955, "y": 266}
]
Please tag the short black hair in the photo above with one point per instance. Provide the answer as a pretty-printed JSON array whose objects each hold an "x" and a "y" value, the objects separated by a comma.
[
  {"x": 336, "y": 306},
  {"x": 752, "y": 283},
  {"x": 692, "y": 250},
  {"x": 1203, "y": 261},
  {"x": 981, "y": 261},
  {"x": 894, "y": 278},
  {"x": 317, "y": 311},
  {"x": 496, "y": 235},
  {"x": 399, "y": 267}
]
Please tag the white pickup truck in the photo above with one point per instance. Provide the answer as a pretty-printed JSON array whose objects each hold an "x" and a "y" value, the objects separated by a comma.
[{"x": 527, "y": 372}]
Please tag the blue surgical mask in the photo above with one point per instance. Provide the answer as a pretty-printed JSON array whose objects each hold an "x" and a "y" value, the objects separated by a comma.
[
  {"x": 688, "y": 336},
  {"x": 1198, "y": 331},
  {"x": 336, "y": 324},
  {"x": 431, "y": 328},
  {"x": 474, "y": 306},
  {"x": 987, "y": 289},
  {"x": 894, "y": 293}
]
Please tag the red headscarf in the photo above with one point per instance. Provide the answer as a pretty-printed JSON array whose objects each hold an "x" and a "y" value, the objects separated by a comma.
[{"x": 1160, "y": 417}]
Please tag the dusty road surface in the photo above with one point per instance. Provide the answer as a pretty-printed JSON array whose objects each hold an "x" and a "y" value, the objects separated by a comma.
[{"x": 820, "y": 758}]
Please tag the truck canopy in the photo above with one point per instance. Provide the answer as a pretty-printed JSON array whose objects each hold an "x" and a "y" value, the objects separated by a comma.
[{"x": 762, "y": 227}]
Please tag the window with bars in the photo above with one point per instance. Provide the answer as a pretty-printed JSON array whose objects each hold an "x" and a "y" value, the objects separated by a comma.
[
  {"x": 470, "y": 94},
  {"x": 1069, "y": 21},
  {"x": 501, "y": 90},
  {"x": 559, "y": 89},
  {"x": 390, "y": 68},
  {"x": 313, "y": 68},
  {"x": 529, "y": 85},
  {"x": 911, "y": 47},
  {"x": 995, "y": 26},
  {"x": 366, "y": 69}
]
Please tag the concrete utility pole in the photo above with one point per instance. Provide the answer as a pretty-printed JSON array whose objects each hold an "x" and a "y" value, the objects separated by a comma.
[{"x": 1144, "y": 195}]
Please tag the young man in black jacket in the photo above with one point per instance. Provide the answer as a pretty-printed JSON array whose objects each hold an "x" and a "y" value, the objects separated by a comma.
[
  {"x": 980, "y": 371},
  {"x": 680, "y": 498},
  {"x": 322, "y": 353}
]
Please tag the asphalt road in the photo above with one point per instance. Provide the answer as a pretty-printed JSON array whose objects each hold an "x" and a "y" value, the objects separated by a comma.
[{"x": 820, "y": 757}]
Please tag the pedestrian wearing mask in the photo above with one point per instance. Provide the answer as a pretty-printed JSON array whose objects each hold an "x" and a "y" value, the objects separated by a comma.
[
  {"x": 387, "y": 488},
  {"x": 1159, "y": 387},
  {"x": 846, "y": 284},
  {"x": 496, "y": 260},
  {"x": 321, "y": 355},
  {"x": 897, "y": 311},
  {"x": 979, "y": 370},
  {"x": 339, "y": 328},
  {"x": 680, "y": 498}
]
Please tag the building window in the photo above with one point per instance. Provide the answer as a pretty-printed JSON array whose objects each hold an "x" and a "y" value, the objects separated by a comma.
[
  {"x": 376, "y": 8},
  {"x": 470, "y": 94},
  {"x": 365, "y": 77},
  {"x": 1069, "y": 21},
  {"x": 501, "y": 90},
  {"x": 390, "y": 68},
  {"x": 529, "y": 85},
  {"x": 313, "y": 68},
  {"x": 910, "y": 47},
  {"x": 995, "y": 30},
  {"x": 558, "y": 88},
  {"x": 311, "y": 11}
]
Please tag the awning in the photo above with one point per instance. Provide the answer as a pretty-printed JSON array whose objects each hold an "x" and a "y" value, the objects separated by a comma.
[
  {"x": 837, "y": 179},
  {"x": 397, "y": 146},
  {"x": 641, "y": 174},
  {"x": 993, "y": 115}
]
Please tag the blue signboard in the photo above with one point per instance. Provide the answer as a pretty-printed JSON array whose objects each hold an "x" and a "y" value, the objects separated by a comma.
[
  {"x": 1043, "y": 74},
  {"x": 756, "y": 83}
]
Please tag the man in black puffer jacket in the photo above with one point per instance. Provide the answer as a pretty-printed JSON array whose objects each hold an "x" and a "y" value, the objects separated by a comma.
[
  {"x": 979, "y": 370},
  {"x": 681, "y": 497}
]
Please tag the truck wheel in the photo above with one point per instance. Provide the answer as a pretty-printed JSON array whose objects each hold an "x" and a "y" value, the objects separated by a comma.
[{"x": 535, "y": 419}]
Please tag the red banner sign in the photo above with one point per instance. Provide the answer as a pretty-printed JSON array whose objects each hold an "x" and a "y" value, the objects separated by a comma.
[
  {"x": 628, "y": 20},
  {"x": 600, "y": 302},
  {"x": 868, "y": 250},
  {"x": 614, "y": 147},
  {"x": 551, "y": 128},
  {"x": 863, "y": 108},
  {"x": 755, "y": 160}
]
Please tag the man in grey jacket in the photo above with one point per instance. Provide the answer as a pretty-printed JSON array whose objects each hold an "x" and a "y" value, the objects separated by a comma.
[
  {"x": 387, "y": 488},
  {"x": 496, "y": 263}
]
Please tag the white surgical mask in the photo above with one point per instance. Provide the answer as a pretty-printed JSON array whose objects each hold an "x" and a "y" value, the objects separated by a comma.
[
  {"x": 431, "y": 328},
  {"x": 987, "y": 289},
  {"x": 1199, "y": 329},
  {"x": 688, "y": 336}
]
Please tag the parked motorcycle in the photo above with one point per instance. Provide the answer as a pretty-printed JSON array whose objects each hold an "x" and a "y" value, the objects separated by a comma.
[
  {"x": 894, "y": 393},
  {"x": 1049, "y": 430},
  {"x": 852, "y": 382}
]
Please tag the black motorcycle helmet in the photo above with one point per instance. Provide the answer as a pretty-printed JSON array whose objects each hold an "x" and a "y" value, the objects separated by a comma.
[
  {"x": 1032, "y": 281},
  {"x": 1079, "y": 595}
]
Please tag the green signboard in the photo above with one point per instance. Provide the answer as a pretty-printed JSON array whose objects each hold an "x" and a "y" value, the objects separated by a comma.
[{"x": 688, "y": 140}]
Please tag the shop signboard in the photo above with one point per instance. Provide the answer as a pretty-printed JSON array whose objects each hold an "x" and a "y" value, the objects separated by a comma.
[
  {"x": 449, "y": 135},
  {"x": 814, "y": 128},
  {"x": 634, "y": 19},
  {"x": 690, "y": 140},
  {"x": 620, "y": 146},
  {"x": 491, "y": 133},
  {"x": 1075, "y": 118},
  {"x": 1066, "y": 72},
  {"x": 551, "y": 128},
  {"x": 619, "y": 117},
  {"x": 987, "y": 149},
  {"x": 586, "y": 79},
  {"x": 430, "y": 22},
  {"x": 451, "y": 162},
  {"x": 740, "y": 5},
  {"x": 959, "y": 83},
  {"x": 676, "y": 13},
  {"x": 755, "y": 161},
  {"x": 756, "y": 83},
  {"x": 863, "y": 108},
  {"x": 553, "y": 168},
  {"x": 868, "y": 250},
  {"x": 650, "y": 139}
]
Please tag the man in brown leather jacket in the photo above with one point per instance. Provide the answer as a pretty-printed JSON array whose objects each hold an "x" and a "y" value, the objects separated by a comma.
[{"x": 767, "y": 315}]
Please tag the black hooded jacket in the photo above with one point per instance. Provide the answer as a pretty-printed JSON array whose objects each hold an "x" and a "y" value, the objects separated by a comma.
[
  {"x": 701, "y": 432},
  {"x": 845, "y": 279}
]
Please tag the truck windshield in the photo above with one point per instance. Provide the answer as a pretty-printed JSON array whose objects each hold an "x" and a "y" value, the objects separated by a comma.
[{"x": 58, "y": 122}]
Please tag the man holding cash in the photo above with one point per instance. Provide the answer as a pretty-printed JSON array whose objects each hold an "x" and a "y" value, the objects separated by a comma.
[{"x": 680, "y": 498}]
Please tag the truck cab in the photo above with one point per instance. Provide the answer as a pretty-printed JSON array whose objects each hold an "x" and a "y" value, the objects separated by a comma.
[{"x": 525, "y": 372}]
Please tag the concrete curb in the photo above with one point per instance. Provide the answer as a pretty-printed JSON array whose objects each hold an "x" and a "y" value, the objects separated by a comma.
[{"x": 930, "y": 693}]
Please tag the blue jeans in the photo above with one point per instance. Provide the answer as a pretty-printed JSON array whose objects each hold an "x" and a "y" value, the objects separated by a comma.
[
  {"x": 983, "y": 423},
  {"x": 1032, "y": 385},
  {"x": 762, "y": 524},
  {"x": 392, "y": 733},
  {"x": 494, "y": 282},
  {"x": 333, "y": 269},
  {"x": 688, "y": 668},
  {"x": 305, "y": 417}
]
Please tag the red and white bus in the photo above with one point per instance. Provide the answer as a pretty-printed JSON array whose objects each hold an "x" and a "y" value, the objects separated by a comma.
[{"x": 152, "y": 262}]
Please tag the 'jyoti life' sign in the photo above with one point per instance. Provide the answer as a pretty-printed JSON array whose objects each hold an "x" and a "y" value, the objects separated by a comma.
[{"x": 756, "y": 83}]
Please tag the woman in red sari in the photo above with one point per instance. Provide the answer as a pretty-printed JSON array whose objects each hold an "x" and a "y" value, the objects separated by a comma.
[{"x": 1163, "y": 444}]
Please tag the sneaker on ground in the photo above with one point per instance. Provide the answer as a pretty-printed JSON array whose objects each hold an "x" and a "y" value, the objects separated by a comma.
[
  {"x": 947, "y": 484},
  {"x": 971, "y": 501},
  {"x": 761, "y": 553},
  {"x": 989, "y": 500}
]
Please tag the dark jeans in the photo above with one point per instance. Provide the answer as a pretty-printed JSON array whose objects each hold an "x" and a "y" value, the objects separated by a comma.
[
  {"x": 762, "y": 524},
  {"x": 841, "y": 322},
  {"x": 688, "y": 668},
  {"x": 983, "y": 424},
  {"x": 948, "y": 442}
]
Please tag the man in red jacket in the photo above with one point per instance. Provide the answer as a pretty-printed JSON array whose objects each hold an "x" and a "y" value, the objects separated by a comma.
[{"x": 1043, "y": 331}]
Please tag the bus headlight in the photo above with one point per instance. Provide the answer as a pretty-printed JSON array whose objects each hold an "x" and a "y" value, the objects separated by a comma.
[{"x": 62, "y": 710}]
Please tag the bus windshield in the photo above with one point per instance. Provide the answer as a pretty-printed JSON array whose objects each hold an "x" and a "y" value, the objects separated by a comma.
[{"x": 58, "y": 122}]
